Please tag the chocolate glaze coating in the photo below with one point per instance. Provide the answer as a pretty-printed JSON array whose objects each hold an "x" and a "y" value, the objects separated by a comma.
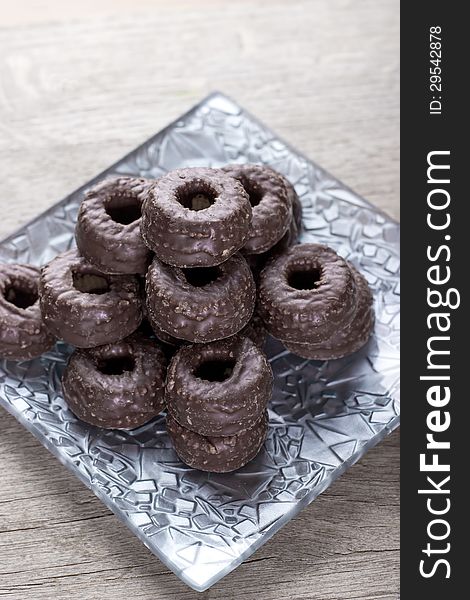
[
  {"x": 116, "y": 386},
  {"x": 150, "y": 329},
  {"x": 257, "y": 262},
  {"x": 306, "y": 315},
  {"x": 290, "y": 238},
  {"x": 219, "y": 389},
  {"x": 271, "y": 205},
  {"x": 217, "y": 454},
  {"x": 108, "y": 226},
  {"x": 255, "y": 330},
  {"x": 107, "y": 311},
  {"x": 23, "y": 334},
  {"x": 196, "y": 217},
  {"x": 180, "y": 304},
  {"x": 349, "y": 338},
  {"x": 296, "y": 205},
  {"x": 168, "y": 339}
]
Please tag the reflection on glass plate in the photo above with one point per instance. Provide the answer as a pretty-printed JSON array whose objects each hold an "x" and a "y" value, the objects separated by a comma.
[{"x": 323, "y": 415}]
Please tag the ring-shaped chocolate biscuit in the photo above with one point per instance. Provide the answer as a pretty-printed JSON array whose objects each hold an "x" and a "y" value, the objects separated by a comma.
[
  {"x": 219, "y": 389},
  {"x": 347, "y": 339},
  {"x": 258, "y": 261},
  {"x": 270, "y": 202},
  {"x": 116, "y": 386},
  {"x": 200, "y": 304},
  {"x": 306, "y": 294},
  {"x": 196, "y": 217},
  {"x": 23, "y": 334},
  {"x": 108, "y": 226},
  {"x": 85, "y": 307},
  {"x": 217, "y": 454}
]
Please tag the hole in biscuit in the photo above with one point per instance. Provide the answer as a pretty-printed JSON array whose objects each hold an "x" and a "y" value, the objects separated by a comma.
[
  {"x": 124, "y": 210},
  {"x": 215, "y": 370},
  {"x": 201, "y": 276},
  {"x": 254, "y": 192},
  {"x": 89, "y": 283},
  {"x": 304, "y": 279},
  {"x": 197, "y": 197},
  {"x": 117, "y": 365},
  {"x": 21, "y": 296}
]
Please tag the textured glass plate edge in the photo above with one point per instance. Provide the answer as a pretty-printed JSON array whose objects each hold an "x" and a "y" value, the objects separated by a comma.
[
  {"x": 267, "y": 535},
  {"x": 300, "y": 504}
]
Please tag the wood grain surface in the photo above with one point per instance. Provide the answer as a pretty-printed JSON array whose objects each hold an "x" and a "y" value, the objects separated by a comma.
[{"x": 83, "y": 83}]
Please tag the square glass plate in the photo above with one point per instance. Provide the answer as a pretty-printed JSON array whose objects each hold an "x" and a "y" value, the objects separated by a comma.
[{"x": 323, "y": 415}]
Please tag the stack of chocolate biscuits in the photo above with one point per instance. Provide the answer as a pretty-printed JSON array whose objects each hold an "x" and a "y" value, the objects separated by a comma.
[
  {"x": 201, "y": 297},
  {"x": 192, "y": 268}
]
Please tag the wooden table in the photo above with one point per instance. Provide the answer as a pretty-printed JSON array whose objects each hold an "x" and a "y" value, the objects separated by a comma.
[{"x": 84, "y": 83}]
